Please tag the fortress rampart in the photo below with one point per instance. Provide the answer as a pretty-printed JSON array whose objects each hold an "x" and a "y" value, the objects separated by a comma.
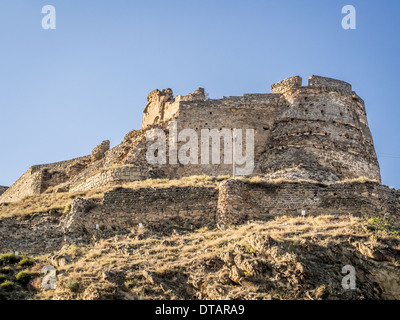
[
  {"x": 320, "y": 130},
  {"x": 317, "y": 132}
]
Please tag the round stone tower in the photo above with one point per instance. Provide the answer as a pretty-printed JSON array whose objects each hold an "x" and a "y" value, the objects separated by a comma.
[{"x": 321, "y": 133}]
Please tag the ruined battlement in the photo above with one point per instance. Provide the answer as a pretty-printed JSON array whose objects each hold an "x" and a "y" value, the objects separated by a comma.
[
  {"x": 162, "y": 106},
  {"x": 295, "y": 82},
  {"x": 332, "y": 84}
]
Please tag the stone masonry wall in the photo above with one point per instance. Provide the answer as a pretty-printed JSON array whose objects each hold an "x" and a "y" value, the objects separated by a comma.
[
  {"x": 119, "y": 211},
  {"x": 239, "y": 201},
  {"x": 28, "y": 184},
  {"x": 324, "y": 129},
  {"x": 320, "y": 131},
  {"x": 111, "y": 177},
  {"x": 156, "y": 209}
]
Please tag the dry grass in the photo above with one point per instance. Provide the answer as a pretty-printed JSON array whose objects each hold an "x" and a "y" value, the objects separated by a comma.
[
  {"x": 45, "y": 202},
  {"x": 199, "y": 180},
  {"x": 177, "y": 254},
  {"x": 263, "y": 179},
  {"x": 361, "y": 179}
]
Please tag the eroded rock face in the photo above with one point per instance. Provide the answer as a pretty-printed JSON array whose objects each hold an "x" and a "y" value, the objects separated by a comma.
[{"x": 99, "y": 152}]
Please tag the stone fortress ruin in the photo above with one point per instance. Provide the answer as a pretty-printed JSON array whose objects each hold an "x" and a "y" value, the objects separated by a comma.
[{"x": 313, "y": 152}]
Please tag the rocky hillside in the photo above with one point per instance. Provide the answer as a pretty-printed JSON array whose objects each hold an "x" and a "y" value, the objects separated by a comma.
[{"x": 285, "y": 257}]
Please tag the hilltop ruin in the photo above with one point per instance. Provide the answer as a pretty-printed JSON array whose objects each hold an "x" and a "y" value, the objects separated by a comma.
[
  {"x": 314, "y": 154},
  {"x": 317, "y": 132}
]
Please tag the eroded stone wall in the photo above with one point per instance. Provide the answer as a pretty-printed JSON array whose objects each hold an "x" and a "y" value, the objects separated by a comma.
[
  {"x": 324, "y": 130},
  {"x": 120, "y": 210},
  {"x": 240, "y": 201},
  {"x": 112, "y": 176},
  {"x": 317, "y": 132}
]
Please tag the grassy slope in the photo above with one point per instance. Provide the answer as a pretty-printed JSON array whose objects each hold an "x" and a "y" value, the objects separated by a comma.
[{"x": 284, "y": 258}]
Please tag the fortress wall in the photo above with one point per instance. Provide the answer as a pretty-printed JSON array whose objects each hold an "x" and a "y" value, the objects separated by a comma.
[
  {"x": 332, "y": 84},
  {"x": 171, "y": 109},
  {"x": 157, "y": 209},
  {"x": 239, "y": 201},
  {"x": 251, "y": 111},
  {"x": 111, "y": 177},
  {"x": 38, "y": 178},
  {"x": 321, "y": 127},
  {"x": 286, "y": 85},
  {"x": 61, "y": 165},
  {"x": 121, "y": 210},
  {"x": 28, "y": 184},
  {"x": 148, "y": 205}
]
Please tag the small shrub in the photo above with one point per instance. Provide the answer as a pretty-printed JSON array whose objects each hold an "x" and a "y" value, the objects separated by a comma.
[
  {"x": 26, "y": 262},
  {"x": 9, "y": 258},
  {"x": 7, "y": 286},
  {"x": 378, "y": 225},
  {"x": 23, "y": 277},
  {"x": 2, "y": 278},
  {"x": 73, "y": 285}
]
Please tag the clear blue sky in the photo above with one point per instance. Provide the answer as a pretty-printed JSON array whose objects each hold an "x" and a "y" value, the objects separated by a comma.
[{"x": 63, "y": 91}]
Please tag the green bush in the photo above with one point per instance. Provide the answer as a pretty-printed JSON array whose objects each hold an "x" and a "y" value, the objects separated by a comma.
[
  {"x": 377, "y": 225},
  {"x": 9, "y": 258},
  {"x": 2, "y": 278},
  {"x": 73, "y": 286},
  {"x": 26, "y": 262},
  {"x": 23, "y": 277},
  {"x": 7, "y": 286}
]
